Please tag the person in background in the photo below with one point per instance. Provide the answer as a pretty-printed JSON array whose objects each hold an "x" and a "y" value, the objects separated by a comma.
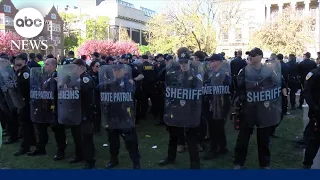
[
  {"x": 318, "y": 59},
  {"x": 39, "y": 59},
  {"x": 67, "y": 60},
  {"x": 306, "y": 66},
  {"x": 94, "y": 73},
  {"x": 95, "y": 56},
  {"x": 293, "y": 80},
  {"x": 223, "y": 55},
  {"x": 32, "y": 61}
]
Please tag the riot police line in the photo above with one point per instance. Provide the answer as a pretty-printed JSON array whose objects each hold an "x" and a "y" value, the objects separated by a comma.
[{"x": 192, "y": 93}]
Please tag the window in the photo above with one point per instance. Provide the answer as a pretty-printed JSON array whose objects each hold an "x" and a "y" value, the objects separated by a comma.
[
  {"x": 53, "y": 16},
  {"x": 313, "y": 24},
  {"x": 8, "y": 21},
  {"x": 238, "y": 34},
  {"x": 224, "y": 36},
  {"x": 7, "y": 8}
]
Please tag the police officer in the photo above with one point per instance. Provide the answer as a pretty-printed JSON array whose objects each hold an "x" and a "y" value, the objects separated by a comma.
[
  {"x": 178, "y": 123},
  {"x": 219, "y": 105},
  {"x": 312, "y": 96},
  {"x": 305, "y": 67},
  {"x": 23, "y": 75},
  {"x": 12, "y": 120},
  {"x": 149, "y": 87},
  {"x": 50, "y": 84},
  {"x": 94, "y": 73},
  {"x": 285, "y": 76},
  {"x": 236, "y": 65},
  {"x": 120, "y": 121},
  {"x": 293, "y": 80},
  {"x": 83, "y": 134},
  {"x": 137, "y": 76},
  {"x": 69, "y": 59},
  {"x": 32, "y": 62},
  {"x": 261, "y": 112}
]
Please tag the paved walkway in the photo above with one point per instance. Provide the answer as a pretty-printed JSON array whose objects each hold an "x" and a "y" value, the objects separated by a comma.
[{"x": 316, "y": 161}]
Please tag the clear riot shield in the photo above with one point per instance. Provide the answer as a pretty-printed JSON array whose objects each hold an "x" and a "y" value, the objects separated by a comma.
[
  {"x": 264, "y": 92},
  {"x": 116, "y": 94},
  {"x": 183, "y": 95},
  {"x": 9, "y": 86},
  {"x": 0, "y": 135},
  {"x": 42, "y": 102},
  {"x": 69, "y": 97},
  {"x": 217, "y": 91}
]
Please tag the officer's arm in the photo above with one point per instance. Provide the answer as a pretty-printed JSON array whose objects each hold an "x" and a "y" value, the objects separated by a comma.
[{"x": 308, "y": 94}]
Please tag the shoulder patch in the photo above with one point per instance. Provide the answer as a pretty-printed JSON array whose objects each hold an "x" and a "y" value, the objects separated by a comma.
[
  {"x": 309, "y": 76},
  {"x": 199, "y": 77},
  {"x": 26, "y": 75},
  {"x": 85, "y": 79}
]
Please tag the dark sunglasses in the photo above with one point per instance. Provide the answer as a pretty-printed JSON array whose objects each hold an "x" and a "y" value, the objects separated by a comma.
[
  {"x": 18, "y": 65},
  {"x": 97, "y": 66}
]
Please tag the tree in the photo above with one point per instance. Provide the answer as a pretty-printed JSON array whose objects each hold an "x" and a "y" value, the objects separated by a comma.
[
  {"x": 144, "y": 49},
  {"x": 97, "y": 28},
  {"x": 286, "y": 33},
  {"x": 5, "y": 43},
  {"x": 108, "y": 48},
  {"x": 72, "y": 37},
  {"x": 191, "y": 23},
  {"x": 123, "y": 35}
]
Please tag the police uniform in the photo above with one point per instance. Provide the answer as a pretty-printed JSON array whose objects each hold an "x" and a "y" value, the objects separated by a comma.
[
  {"x": 97, "y": 110},
  {"x": 29, "y": 139},
  {"x": 127, "y": 131},
  {"x": 305, "y": 67},
  {"x": 219, "y": 105},
  {"x": 50, "y": 84},
  {"x": 67, "y": 61},
  {"x": 149, "y": 88},
  {"x": 188, "y": 79},
  {"x": 312, "y": 96},
  {"x": 268, "y": 116},
  {"x": 293, "y": 82},
  {"x": 83, "y": 134}
]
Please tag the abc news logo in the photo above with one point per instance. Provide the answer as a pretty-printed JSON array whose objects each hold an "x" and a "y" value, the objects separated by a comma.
[{"x": 29, "y": 23}]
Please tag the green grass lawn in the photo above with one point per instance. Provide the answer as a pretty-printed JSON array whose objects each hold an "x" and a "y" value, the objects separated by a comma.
[{"x": 284, "y": 155}]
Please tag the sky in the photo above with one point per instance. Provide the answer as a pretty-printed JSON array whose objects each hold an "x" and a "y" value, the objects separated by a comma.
[{"x": 45, "y": 5}]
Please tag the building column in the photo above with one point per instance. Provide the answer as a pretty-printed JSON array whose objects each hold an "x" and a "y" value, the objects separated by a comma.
[
  {"x": 140, "y": 40},
  {"x": 130, "y": 29},
  {"x": 293, "y": 5},
  {"x": 268, "y": 11},
  {"x": 280, "y": 5},
  {"x": 306, "y": 6}
]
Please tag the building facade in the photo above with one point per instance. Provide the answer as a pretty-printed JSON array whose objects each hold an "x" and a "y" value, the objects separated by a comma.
[
  {"x": 257, "y": 12},
  {"x": 123, "y": 15},
  {"x": 54, "y": 36}
]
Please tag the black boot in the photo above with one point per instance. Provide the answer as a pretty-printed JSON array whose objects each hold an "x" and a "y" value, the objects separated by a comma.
[
  {"x": 111, "y": 164},
  {"x": 10, "y": 141},
  {"x": 21, "y": 151},
  {"x": 89, "y": 164},
  {"x": 59, "y": 156},
  {"x": 75, "y": 160},
  {"x": 165, "y": 161},
  {"x": 37, "y": 152}
]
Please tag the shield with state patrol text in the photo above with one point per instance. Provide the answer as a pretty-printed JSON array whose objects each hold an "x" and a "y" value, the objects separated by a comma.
[
  {"x": 117, "y": 96},
  {"x": 9, "y": 86},
  {"x": 42, "y": 103},
  {"x": 69, "y": 96},
  {"x": 263, "y": 84},
  {"x": 183, "y": 89},
  {"x": 216, "y": 90}
]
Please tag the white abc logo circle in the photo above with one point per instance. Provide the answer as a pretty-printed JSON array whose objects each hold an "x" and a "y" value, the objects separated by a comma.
[{"x": 28, "y": 22}]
